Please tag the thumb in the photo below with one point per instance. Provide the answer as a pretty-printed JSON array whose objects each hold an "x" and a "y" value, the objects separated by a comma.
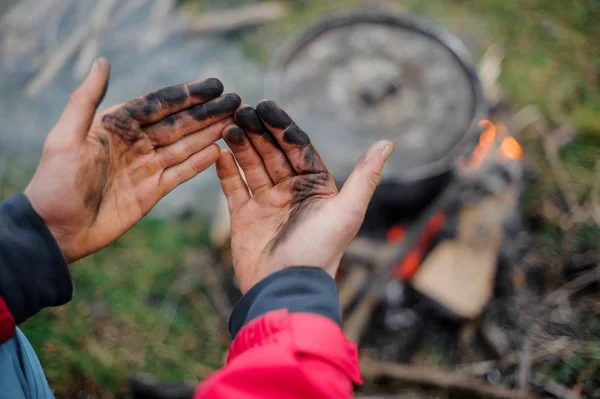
[
  {"x": 364, "y": 179},
  {"x": 79, "y": 112}
]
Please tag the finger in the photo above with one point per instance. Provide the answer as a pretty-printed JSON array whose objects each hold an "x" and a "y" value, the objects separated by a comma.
[
  {"x": 295, "y": 142},
  {"x": 364, "y": 179},
  {"x": 232, "y": 183},
  {"x": 157, "y": 105},
  {"x": 191, "y": 120},
  {"x": 277, "y": 165},
  {"x": 178, "y": 174},
  {"x": 182, "y": 149},
  {"x": 79, "y": 112},
  {"x": 248, "y": 159}
]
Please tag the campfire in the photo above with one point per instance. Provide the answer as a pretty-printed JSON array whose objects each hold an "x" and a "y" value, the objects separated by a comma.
[{"x": 434, "y": 267}]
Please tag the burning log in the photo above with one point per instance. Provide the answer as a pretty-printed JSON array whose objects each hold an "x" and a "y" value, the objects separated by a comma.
[{"x": 460, "y": 273}]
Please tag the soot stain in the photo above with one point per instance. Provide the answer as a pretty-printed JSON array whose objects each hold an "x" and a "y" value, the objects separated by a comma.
[
  {"x": 223, "y": 105},
  {"x": 122, "y": 124},
  {"x": 306, "y": 186},
  {"x": 172, "y": 120},
  {"x": 207, "y": 89},
  {"x": 97, "y": 178},
  {"x": 306, "y": 189},
  {"x": 171, "y": 95},
  {"x": 296, "y": 136},
  {"x": 309, "y": 155},
  {"x": 235, "y": 135},
  {"x": 273, "y": 115},
  {"x": 248, "y": 120}
]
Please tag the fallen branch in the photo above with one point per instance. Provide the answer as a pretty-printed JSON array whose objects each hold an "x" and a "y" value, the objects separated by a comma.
[
  {"x": 63, "y": 54},
  {"x": 573, "y": 286},
  {"x": 351, "y": 286},
  {"x": 238, "y": 18},
  {"x": 552, "y": 387},
  {"x": 490, "y": 69},
  {"x": 556, "y": 216},
  {"x": 212, "y": 279},
  {"x": 434, "y": 377},
  {"x": 356, "y": 324},
  {"x": 551, "y": 147},
  {"x": 595, "y": 195},
  {"x": 525, "y": 365}
]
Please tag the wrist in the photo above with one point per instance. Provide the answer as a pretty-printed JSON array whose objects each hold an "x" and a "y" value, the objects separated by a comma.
[
  {"x": 34, "y": 273},
  {"x": 56, "y": 233},
  {"x": 296, "y": 289}
]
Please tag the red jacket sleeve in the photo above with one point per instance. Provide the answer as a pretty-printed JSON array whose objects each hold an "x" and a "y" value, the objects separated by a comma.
[
  {"x": 7, "y": 323},
  {"x": 286, "y": 355}
]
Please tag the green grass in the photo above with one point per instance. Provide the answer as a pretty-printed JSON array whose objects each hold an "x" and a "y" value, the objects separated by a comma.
[{"x": 138, "y": 306}]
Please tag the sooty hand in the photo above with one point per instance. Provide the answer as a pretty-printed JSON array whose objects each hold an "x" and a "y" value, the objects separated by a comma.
[
  {"x": 287, "y": 211},
  {"x": 100, "y": 173}
]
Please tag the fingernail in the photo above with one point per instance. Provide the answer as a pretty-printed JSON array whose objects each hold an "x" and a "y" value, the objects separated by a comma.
[
  {"x": 386, "y": 148},
  {"x": 94, "y": 68},
  {"x": 99, "y": 62}
]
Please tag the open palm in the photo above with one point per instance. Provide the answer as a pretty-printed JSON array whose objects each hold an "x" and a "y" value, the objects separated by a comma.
[
  {"x": 288, "y": 211},
  {"x": 100, "y": 173}
]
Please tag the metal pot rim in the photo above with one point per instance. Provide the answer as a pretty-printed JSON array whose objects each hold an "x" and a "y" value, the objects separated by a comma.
[{"x": 457, "y": 48}]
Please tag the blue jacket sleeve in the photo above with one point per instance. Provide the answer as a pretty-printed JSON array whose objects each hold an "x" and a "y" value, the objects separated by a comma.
[
  {"x": 33, "y": 272},
  {"x": 297, "y": 289}
]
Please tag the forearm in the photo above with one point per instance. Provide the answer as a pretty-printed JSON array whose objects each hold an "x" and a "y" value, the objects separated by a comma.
[
  {"x": 287, "y": 342},
  {"x": 33, "y": 272}
]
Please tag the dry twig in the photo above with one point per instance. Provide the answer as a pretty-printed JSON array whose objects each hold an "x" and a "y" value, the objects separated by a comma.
[
  {"x": 573, "y": 286},
  {"x": 525, "y": 365},
  {"x": 551, "y": 147},
  {"x": 238, "y": 18},
  {"x": 351, "y": 285},
  {"x": 552, "y": 388},
  {"x": 61, "y": 56},
  {"x": 595, "y": 194},
  {"x": 434, "y": 377}
]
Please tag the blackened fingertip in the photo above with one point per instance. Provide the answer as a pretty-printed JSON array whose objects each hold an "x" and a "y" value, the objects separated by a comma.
[
  {"x": 245, "y": 112},
  {"x": 296, "y": 136},
  {"x": 249, "y": 120},
  {"x": 206, "y": 89},
  {"x": 273, "y": 115},
  {"x": 242, "y": 110},
  {"x": 230, "y": 102},
  {"x": 234, "y": 135},
  {"x": 168, "y": 95},
  {"x": 224, "y": 105}
]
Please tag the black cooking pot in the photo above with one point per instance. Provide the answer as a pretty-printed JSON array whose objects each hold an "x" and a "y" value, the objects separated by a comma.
[{"x": 352, "y": 79}]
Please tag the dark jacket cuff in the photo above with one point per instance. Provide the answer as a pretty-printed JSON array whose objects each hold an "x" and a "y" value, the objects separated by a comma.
[
  {"x": 33, "y": 271},
  {"x": 297, "y": 289}
]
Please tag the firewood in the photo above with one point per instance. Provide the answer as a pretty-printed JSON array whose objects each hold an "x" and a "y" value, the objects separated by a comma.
[{"x": 459, "y": 274}]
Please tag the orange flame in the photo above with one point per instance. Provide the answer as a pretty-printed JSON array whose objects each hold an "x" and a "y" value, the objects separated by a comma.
[
  {"x": 485, "y": 145},
  {"x": 511, "y": 149}
]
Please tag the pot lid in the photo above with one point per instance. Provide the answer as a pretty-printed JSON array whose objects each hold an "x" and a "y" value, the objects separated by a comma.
[{"x": 353, "y": 79}]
